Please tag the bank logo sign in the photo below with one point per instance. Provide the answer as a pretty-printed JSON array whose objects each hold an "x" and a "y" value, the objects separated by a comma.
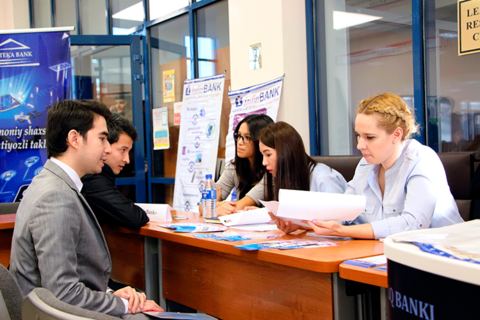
[{"x": 16, "y": 54}]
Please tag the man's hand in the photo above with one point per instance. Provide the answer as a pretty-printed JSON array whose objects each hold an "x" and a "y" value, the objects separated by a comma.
[
  {"x": 152, "y": 306},
  {"x": 136, "y": 300}
]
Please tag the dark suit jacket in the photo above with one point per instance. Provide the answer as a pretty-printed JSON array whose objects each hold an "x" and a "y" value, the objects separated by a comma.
[
  {"x": 109, "y": 205},
  {"x": 59, "y": 245}
]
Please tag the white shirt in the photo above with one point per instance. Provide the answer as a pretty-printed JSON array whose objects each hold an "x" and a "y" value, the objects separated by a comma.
[
  {"x": 70, "y": 172},
  {"x": 325, "y": 179},
  {"x": 416, "y": 194}
]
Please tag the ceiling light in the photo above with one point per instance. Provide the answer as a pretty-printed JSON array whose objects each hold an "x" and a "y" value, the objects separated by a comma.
[
  {"x": 133, "y": 13},
  {"x": 342, "y": 20}
]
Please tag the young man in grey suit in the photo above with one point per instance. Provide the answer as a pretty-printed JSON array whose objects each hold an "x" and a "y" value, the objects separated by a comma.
[{"x": 57, "y": 241}]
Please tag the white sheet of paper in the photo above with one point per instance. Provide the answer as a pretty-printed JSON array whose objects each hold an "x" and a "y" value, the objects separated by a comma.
[
  {"x": 246, "y": 217},
  {"x": 296, "y": 205},
  {"x": 157, "y": 212},
  {"x": 257, "y": 227},
  {"x": 271, "y": 206}
]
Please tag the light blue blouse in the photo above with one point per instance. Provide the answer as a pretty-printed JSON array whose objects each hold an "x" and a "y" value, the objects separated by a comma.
[
  {"x": 416, "y": 194},
  {"x": 325, "y": 179}
]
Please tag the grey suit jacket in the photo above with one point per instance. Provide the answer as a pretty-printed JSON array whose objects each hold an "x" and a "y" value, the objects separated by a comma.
[{"x": 59, "y": 245}]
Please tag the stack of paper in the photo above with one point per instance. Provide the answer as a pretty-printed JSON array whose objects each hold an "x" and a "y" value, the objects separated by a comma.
[
  {"x": 253, "y": 220},
  {"x": 296, "y": 205}
]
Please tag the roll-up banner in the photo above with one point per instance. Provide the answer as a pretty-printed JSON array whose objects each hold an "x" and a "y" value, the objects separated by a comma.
[
  {"x": 35, "y": 72},
  {"x": 263, "y": 98},
  {"x": 198, "y": 141}
]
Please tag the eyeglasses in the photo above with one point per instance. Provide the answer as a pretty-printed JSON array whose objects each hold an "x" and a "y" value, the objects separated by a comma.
[{"x": 245, "y": 139}]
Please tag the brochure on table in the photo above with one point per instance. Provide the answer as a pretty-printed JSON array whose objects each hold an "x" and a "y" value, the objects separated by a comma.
[
  {"x": 263, "y": 98},
  {"x": 296, "y": 205},
  {"x": 198, "y": 140},
  {"x": 368, "y": 262}
]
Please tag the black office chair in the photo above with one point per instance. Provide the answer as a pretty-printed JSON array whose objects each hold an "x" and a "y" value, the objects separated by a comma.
[
  {"x": 40, "y": 304},
  {"x": 10, "y": 296}
]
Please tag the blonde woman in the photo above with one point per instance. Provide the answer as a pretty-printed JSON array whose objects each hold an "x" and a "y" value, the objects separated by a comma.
[{"x": 404, "y": 182}]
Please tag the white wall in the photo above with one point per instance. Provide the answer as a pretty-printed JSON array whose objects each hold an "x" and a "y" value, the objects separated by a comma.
[
  {"x": 279, "y": 25},
  {"x": 14, "y": 16}
]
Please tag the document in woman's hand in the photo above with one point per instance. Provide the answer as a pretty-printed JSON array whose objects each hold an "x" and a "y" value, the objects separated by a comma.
[{"x": 295, "y": 206}]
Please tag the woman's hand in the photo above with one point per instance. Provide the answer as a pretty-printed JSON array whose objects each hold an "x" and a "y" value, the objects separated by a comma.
[
  {"x": 226, "y": 208},
  {"x": 250, "y": 208},
  {"x": 287, "y": 226},
  {"x": 326, "y": 228}
]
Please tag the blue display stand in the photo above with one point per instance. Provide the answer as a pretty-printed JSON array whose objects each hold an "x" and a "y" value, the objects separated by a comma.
[{"x": 423, "y": 285}]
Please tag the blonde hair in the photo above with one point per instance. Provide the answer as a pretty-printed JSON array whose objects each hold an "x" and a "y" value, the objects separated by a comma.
[{"x": 392, "y": 112}]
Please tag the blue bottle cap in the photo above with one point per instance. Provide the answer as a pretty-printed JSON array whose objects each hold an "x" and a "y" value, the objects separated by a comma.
[{"x": 208, "y": 176}]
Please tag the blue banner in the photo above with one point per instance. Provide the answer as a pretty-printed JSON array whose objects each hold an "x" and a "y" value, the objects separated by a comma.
[{"x": 35, "y": 72}]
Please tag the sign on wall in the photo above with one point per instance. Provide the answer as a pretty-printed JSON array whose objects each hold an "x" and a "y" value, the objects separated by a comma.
[
  {"x": 263, "y": 98},
  {"x": 468, "y": 26},
  {"x": 34, "y": 73},
  {"x": 198, "y": 141}
]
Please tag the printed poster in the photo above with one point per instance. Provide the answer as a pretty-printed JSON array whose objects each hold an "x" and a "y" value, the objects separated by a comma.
[
  {"x": 169, "y": 86},
  {"x": 35, "y": 72},
  {"x": 161, "y": 139},
  {"x": 177, "y": 110},
  {"x": 198, "y": 141},
  {"x": 262, "y": 98}
]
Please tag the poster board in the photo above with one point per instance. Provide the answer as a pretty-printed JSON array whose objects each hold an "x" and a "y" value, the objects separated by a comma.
[
  {"x": 198, "y": 141},
  {"x": 263, "y": 98},
  {"x": 35, "y": 72}
]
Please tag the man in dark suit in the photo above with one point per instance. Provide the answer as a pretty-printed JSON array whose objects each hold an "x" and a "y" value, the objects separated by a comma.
[
  {"x": 57, "y": 241},
  {"x": 110, "y": 205}
]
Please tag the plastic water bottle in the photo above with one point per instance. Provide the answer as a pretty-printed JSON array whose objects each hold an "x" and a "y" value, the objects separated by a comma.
[{"x": 209, "y": 198}]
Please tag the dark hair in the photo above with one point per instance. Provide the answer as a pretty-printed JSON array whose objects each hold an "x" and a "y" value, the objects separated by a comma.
[
  {"x": 67, "y": 115},
  {"x": 294, "y": 165},
  {"x": 249, "y": 176},
  {"x": 118, "y": 124}
]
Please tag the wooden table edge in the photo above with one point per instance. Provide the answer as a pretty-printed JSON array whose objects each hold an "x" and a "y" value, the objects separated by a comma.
[
  {"x": 7, "y": 221},
  {"x": 364, "y": 275}
]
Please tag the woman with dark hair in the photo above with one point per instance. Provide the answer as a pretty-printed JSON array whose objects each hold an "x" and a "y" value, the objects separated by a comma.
[
  {"x": 290, "y": 167},
  {"x": 246, "y": 172}
]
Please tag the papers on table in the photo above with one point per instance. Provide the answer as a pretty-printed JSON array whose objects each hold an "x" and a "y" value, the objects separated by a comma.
[
  {"x": 286, "y": 244},
  {"x": 194, "y": 227},
  {"x": 157, "y": 212},
  {"x": 232, "y": 236},
  {"x": 296, "y": 205},
  {"x": 368, "y": 262},
  {"x": 252, "y": 220}
]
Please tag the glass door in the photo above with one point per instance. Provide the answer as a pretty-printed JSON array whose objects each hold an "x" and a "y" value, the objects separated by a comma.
[{"x": 108, "y": 69}]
